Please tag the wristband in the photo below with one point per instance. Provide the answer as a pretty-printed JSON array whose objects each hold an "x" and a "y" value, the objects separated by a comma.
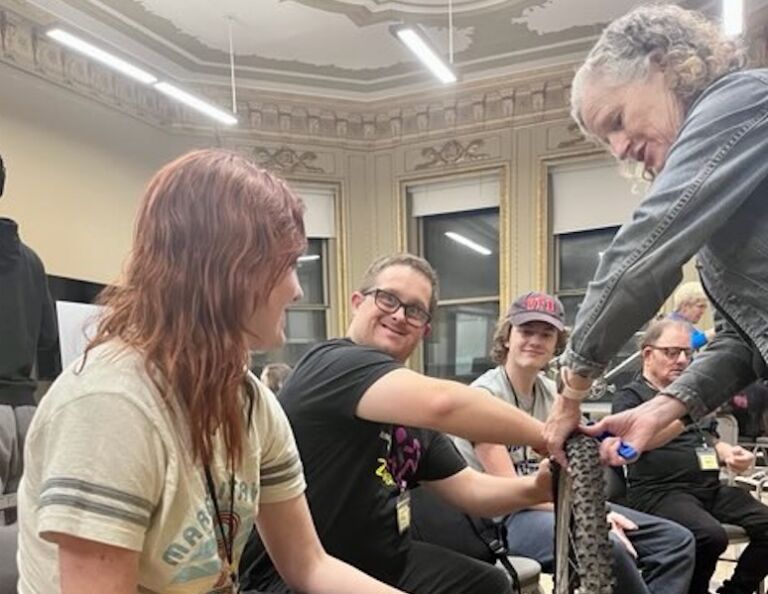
[{"x": 569, "y": 392}]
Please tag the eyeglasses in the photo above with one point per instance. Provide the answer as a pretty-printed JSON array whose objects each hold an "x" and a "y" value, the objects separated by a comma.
[
  {"x": 672, "y": 353},
  {"x": 389, "y": 303}
]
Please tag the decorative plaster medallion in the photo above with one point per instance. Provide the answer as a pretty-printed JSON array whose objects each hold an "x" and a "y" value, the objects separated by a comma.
[
  {"x": 286, "y": 160},
  {"x": 451, "y": 153}
]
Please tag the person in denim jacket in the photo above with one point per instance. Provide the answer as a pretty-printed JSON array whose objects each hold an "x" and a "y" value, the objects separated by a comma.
[{"x": 665, "y": 88}]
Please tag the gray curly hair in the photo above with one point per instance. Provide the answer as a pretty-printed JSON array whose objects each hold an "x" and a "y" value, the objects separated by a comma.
[{"x": 691, "y": 50}]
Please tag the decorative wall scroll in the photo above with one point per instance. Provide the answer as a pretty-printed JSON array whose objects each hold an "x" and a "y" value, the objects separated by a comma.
[
  {"x": 451, "y": 153},
  {"x": 287, "y": 160}
]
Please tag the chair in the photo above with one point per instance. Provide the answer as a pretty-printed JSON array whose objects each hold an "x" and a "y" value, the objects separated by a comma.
[
  {"x": 728, "y": 428},
  {"x": 9, "y": 572}
]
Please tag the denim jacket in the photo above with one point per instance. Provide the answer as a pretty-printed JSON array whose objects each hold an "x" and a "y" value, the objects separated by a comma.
[{"x": 711, "y": 200}]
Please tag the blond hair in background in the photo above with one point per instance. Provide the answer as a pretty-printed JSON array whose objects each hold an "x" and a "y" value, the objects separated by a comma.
[{"x": 688, "y": 294}]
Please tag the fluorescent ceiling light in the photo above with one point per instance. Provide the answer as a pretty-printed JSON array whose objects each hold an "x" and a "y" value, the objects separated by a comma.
[
  {"x": 196, "y": 103},
  {"x": 733, "y": 17},
  {"x": 100, "y": 55},
  {"x": 309, "y": 257},
  {"x": 458, "y": 238},
  {"x": 417, "y": 43}
]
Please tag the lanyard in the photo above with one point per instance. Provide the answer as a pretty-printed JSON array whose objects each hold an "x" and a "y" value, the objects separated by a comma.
[
  {"x": 517, "y": 404},
  {"x": 228, "y": 539}
]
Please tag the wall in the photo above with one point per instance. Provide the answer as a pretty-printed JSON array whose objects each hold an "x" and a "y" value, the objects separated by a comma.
[
  {"x": 78, "y": 167},
  {"x": 76, "y": 170}
]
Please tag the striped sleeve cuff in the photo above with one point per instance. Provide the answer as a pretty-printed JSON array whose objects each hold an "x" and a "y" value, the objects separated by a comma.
[
  {"x": 90, "y": 510},
  {"x": 282, "y": 480}
]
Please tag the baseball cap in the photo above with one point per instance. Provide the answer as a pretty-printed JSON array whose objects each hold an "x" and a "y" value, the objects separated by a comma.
[{"x": 537, "y": 307}]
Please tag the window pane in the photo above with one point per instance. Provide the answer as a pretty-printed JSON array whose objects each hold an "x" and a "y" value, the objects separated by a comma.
[
  {"x": 305, "y": 325},
  {"x": 303, "y": 329},
  {"x": 580, "y": 254},
  {"x": 463, "y": 271},
  {"x": 571, "y": 303},
  {"x": 460, "y": 341},
  {"x": 310, "y": 271}
]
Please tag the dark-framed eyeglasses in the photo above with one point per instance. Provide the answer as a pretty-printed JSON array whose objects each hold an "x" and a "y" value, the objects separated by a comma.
[
  {"x": 672, "y": 353},
  {"x": 389, "y": 303}
]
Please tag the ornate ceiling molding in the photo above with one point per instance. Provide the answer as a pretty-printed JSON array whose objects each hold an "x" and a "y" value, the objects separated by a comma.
[
  {"x": 292, "y": 117},
  {"x": 280, "y": 118}
]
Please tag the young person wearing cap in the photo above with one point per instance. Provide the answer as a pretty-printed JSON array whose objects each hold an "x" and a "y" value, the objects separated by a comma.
[
  {"x": 650, "y": 554},
  {"x": 368, "y": 430}
]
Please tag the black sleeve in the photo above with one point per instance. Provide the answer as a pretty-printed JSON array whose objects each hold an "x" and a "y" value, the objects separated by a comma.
[
  {"x": 624, "y": 400},
  {"x": 333, "y": 377},
  {"x": 49, "y": 331},
  {"x": 441, "y": 459}
]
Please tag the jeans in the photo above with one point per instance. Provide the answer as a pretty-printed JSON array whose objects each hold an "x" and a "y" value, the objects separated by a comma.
[{"x": 665, "y": 550}]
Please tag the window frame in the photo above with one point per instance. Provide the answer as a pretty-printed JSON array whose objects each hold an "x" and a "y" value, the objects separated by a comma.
[{"x": 410, "y": 235}]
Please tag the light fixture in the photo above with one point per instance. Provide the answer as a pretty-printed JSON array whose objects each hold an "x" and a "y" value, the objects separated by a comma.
[
  {"x": 733, "y": 17},
  {"x": 465, "y": 241},
  {"x": 416, "y": 41},
  {"x": 309, "y": 257},
  {"x": 196, "y": 103},
  {"x": 98, "y": 54}
]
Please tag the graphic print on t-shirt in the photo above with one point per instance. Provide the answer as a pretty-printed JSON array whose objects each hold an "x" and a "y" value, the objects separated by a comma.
[
  {"x": 200, "y": 548},
  {"x": 403, "y": 457}
]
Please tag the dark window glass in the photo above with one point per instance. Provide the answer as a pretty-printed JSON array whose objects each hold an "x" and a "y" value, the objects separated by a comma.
[
  {"x": 464, "y": 271},
  {"x": 460, "y": 342}
]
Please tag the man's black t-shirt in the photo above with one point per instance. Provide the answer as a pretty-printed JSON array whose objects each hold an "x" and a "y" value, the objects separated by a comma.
[
  {"x": 670, "y": 468},
  {"x": 355, "y": 469}
]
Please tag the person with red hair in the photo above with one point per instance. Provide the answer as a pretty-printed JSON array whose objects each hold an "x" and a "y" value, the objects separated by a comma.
[{"x": 151, "y": 457}]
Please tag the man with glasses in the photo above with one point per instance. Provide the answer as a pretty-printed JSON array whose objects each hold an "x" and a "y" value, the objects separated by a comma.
[
  {"x": 680, "y": 481},
  {"x": 358, "y": 416}
]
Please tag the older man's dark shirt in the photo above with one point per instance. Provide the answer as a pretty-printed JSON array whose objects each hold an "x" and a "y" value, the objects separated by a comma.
[{"x": 671, "y": 467}]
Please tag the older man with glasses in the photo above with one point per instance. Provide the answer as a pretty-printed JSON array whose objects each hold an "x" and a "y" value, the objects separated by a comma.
[
  {"x": 680, "y": 481},
  {"x": 369, "y": 429}
]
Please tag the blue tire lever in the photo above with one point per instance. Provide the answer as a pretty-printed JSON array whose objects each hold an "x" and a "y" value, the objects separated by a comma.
[{"x": 626, "y": 451}]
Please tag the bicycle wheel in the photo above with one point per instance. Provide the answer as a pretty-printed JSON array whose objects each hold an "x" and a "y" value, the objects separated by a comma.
[{"x": 583, "y": 560}]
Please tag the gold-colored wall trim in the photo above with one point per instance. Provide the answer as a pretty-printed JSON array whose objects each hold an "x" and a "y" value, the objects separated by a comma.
[
  {"x": 500, "y": 167},
  {"x": 338, "y": 300}
]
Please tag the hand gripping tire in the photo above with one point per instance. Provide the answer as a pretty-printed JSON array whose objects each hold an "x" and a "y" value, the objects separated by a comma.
[{"x": 583, "y": 554}]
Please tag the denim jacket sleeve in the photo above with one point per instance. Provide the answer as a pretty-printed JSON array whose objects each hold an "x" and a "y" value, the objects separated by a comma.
[
  {"x": 716, "y": 374},
  {"x": 711, "y": 169}
]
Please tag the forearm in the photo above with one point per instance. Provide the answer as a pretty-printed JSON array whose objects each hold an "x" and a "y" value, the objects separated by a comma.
[
  {"x": 495, "y": 496},
  {"x": 723, "y": 450},
  {"x": 300, "y": 558},
  {"x": 488, "y": 419},
  {"x": 671, "y": 431},
  {"x": 665, "y": 410},
  {"x": 328, "y": 575}
]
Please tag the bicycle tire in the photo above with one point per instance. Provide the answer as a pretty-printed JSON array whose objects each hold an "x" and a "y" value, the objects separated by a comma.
[{"x": 583, "y": 552}]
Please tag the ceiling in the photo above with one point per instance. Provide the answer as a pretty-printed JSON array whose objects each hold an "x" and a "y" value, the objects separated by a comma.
[{"x": 335, "y": 48}]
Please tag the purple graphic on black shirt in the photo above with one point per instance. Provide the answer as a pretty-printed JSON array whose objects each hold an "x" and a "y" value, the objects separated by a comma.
[{"x": 404, "y": 456}]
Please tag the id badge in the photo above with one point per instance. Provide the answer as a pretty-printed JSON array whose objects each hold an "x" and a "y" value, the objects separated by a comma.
[
  {"x": 403, "y": 509},
  {"x": 707, "y": 458}
]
